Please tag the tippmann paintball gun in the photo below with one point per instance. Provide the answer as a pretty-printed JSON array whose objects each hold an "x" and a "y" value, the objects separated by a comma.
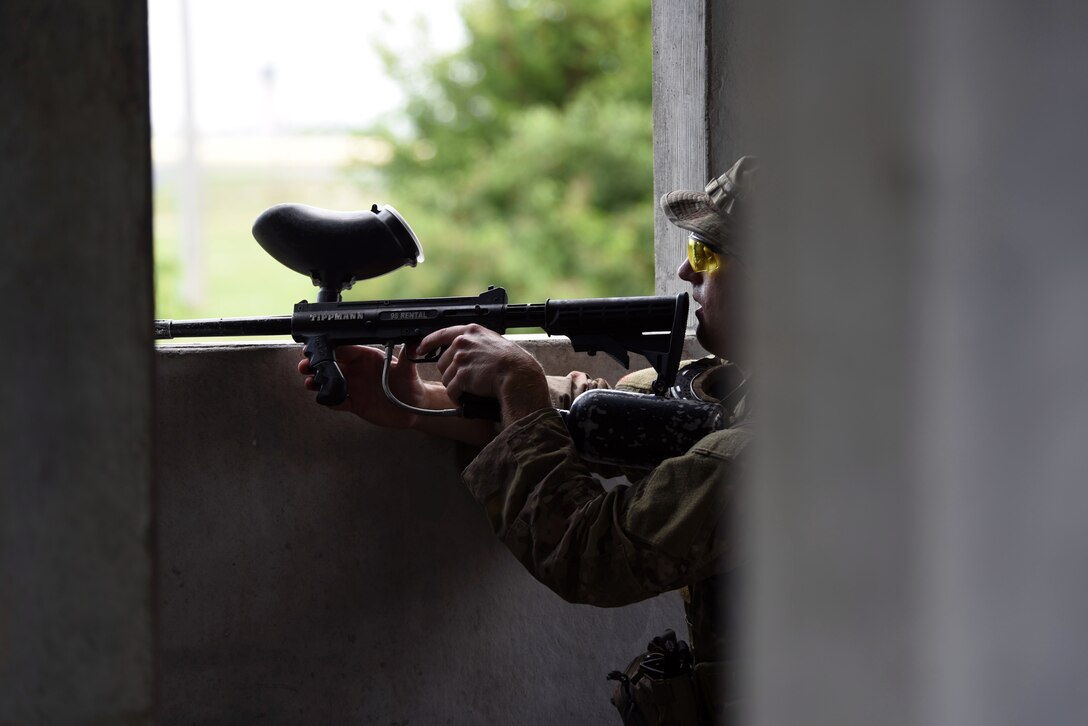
[{"x": 337, "y": 249}]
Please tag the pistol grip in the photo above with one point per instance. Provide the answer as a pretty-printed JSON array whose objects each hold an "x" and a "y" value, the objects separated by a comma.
[{"x": 332, "y": 388}]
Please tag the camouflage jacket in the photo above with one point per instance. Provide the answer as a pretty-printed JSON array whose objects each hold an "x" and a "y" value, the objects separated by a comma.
[{"x": 671, "y": 529}]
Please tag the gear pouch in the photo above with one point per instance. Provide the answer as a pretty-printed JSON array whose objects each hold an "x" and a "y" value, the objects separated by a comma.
[{"x": 645, "y": 697}]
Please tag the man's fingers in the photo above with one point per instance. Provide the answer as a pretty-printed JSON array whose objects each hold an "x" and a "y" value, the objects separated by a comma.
[
  {"x": 452, "y": 383},
  {"x": 442, "y": 338},
  {"x": 404, "y": 369},
  {"x": 345, "y": 354},
  {"x": 449, "y": 361},
  {"x": 352, "y": 353}
]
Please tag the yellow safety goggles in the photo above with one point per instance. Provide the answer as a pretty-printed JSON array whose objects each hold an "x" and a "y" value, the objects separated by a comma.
[{"x": 704, "y": 256}]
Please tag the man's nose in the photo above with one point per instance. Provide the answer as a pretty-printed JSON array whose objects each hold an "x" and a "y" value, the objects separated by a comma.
[{"x": 684, "y": 272}]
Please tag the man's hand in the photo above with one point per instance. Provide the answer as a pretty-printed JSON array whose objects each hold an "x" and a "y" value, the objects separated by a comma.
[
  {"x": 482, "y": 362},
  {"x": 362, "y": 367}
]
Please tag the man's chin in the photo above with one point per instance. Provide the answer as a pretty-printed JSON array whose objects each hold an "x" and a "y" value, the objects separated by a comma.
[
  {"x": 703, "y": 336},
  {"x": 711, "y": 344}
]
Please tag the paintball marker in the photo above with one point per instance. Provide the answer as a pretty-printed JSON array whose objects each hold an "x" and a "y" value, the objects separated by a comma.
[{"x": 336, "y": 249}]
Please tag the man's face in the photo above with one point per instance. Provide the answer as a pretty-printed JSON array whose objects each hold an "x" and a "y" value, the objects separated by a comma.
[{"x": 717, "y": 296}]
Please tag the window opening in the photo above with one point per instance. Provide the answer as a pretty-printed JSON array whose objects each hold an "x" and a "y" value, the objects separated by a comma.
[{"x": 514, "y": 136}]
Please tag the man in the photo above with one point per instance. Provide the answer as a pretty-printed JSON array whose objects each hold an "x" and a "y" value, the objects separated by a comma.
[{"x": 669, "y": 530}]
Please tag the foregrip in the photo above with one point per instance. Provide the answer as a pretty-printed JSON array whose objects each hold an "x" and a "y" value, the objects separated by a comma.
[{"x": 332, "y": 388}]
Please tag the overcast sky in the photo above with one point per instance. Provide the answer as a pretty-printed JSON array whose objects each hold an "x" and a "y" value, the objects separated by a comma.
[{"x": 291, "y": 64}]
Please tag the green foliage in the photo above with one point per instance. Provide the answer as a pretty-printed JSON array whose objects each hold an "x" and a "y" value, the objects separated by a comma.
[{"x": 527, "y": 156}]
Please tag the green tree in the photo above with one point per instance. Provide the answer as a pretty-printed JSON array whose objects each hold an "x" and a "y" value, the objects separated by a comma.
[{"x": 526, "y": 158}]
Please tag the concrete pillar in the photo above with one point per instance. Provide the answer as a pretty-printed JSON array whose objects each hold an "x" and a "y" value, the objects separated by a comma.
[
  {"x": 694, "y": 114},
  {"x": 75, "y": 268},
  {"x": 918, "y": 534}
]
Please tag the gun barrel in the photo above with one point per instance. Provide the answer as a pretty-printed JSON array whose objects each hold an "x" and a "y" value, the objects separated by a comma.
[{"x": 221, "y": 327}]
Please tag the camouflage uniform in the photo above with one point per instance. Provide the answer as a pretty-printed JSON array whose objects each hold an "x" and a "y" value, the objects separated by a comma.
[{"x": 670, "y": 530}]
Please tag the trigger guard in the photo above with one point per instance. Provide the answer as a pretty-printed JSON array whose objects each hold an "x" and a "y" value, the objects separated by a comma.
[{"x": 431, "y": 357}]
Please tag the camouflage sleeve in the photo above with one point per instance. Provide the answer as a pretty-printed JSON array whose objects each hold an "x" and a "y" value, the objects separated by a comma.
[
  {"x": 605, "y": 548},
  {"x": 565, "y": 389}
]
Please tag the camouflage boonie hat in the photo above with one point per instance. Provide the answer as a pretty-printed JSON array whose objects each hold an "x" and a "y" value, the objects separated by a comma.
[{"x": 713, "y": 213}]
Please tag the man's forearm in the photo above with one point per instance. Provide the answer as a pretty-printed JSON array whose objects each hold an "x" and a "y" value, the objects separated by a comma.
[
  {"x": 523, "y": 391},
  {"x": 476, "y": 432},
  {"x": 519, "y": 396}
]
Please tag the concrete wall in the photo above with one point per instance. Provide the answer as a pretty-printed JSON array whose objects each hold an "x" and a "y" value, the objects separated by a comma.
[
  {"x": 76, "y": 628},
  {"x": 316, "y": 569}
]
